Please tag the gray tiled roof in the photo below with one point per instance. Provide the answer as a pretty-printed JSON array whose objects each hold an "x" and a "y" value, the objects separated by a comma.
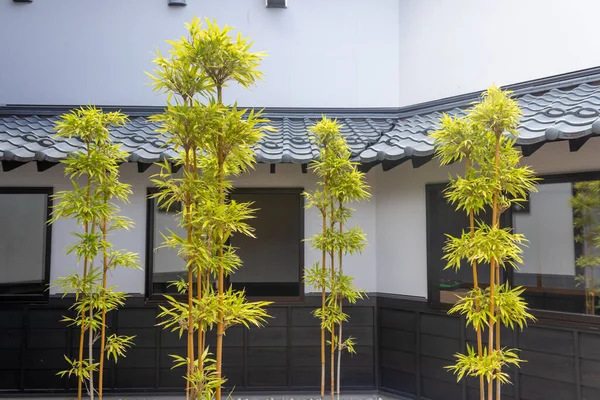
[{"x": 556, "y": 110}]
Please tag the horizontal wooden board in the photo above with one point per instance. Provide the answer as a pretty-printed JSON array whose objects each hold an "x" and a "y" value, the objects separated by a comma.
[
  {"x": 266, "y": 356},
  {"x": 10, "y": 338},
  {"x": 534, "y": 388},
  {"x": 548, "y": 366},
  {"x": 278, "y": 316},
  {"x": 433, "y": 368},
  {"x": 137, "y": 317},
  {"x": 398, "y": 381},
  {"x": 144, "y": 337},
  {"x": 440, "y": 390},
  {"x": 547, "y": 340},
  {"x": 590, "y": 373},
  {"x": 440, "y": 347},
  {"x": 11, "y": 319},
  {"x": 397, "y": 319},
  {"x": 269, "y": 336},
  {"x": 589, "y": 345},
  {"x": 267, "y": 377},
  {"x": 399, "y": 361},
  {"x": 440, "y": 325},
  {"x": 397, "y": 340}
]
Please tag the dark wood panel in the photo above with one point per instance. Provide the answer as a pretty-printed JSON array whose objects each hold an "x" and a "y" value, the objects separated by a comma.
[
  {"x": 278, "y": 316},
  {"x": 507, "y": 389},
  {"x": 305, "y": 356},
  {"x": 267, "y": 377},
  {"x": 144, "y": 337},
  {"x": 138, "y": 358},
  {"x": 440, "y": 325},
  {"x": 271, "y": 337},
  {"x": 303, "y": 316},
  {"x": 137, "y": 317},
  {"x": 266, "y": 357},
  {"x": 141, "y": 378},
  {"x": 43, "y": 379},
  {"x": 549, "y": 366},
  {"x": 47, "y": 339},
  {"x": 44, "y": 359},
  {"x": 398, "y": 381},
  {"x": 10, "y": 379},
  {"x": 11, "y": 359},
  {"x": 547, "y": 340},
  {"x": 440, "y": 347},
  {"x": 397, "y": 340},
  {"x": 473, "y": 393},
  {"x": 440, "y": 390},
  {"x": 433, "y": 368},
  {"x": 589, "y": 346},
  {"x": 590, "y": 373},
  {"x": 10, "y": 338},
  {"x": 404, "y": 320},
  {"x": 506, "y": 336},
  {"x": 11, "y": 319},
  {"x": 360, "y": 316},
  {"x": 363, "y": 335},
  {"x": 44, "y": 318},
  {"x": 534, "y": 388},
  {"x": 357, "y": 377},
  {"x": 399, "y": 361},
  {"x": 305, "y": 377},
  {"x": 588, "y": 393},
  {"x": 303, "y": 336},
  {"x": 234, "y": 337}
]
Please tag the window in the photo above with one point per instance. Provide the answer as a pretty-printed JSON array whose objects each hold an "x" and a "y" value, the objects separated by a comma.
[
  {"x": 24, "y": 242},
  {"x": 272, "y": 262},
  {"x": 549, "y": 271}
]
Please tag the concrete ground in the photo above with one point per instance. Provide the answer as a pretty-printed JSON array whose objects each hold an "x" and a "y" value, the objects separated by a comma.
[{"x": 233, "y": 396}]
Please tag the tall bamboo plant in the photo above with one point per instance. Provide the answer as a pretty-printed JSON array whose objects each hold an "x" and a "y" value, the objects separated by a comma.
[
  {"x": 493, "y": 181},
  {"x": 214, "y": 143},
  {"x": 340, "y": 183},
  {"x": 586, "y": 210},
  {"x": 92, "y": 205}
]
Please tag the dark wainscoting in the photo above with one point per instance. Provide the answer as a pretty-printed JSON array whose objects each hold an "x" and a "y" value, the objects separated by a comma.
[
  {"x": 415, "y": 343},
  {"x": 283, "y": 356}
]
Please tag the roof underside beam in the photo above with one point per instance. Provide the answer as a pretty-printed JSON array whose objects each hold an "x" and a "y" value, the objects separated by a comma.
[
  {"x": 142, "y": 167},
  {"x": 420, "y": 161},
  {"x": 10, "y": 165},
  {"x": 44, "y": 165},
  {"x": 529, "y": 149},
  {"x": 576, "y": 144}
]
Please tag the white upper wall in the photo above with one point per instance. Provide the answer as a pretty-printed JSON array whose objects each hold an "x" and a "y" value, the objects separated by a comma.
[
  {"x": 449, "y": 48},
  {"x": 322, "y": 53}
]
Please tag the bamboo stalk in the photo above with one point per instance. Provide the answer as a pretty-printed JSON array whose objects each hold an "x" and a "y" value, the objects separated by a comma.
[
  {"x": 493, "y": 267},
  {"x": 477, "y": 302},
  {"x": 220, "y": 330},
  {"x": 323, "y": 294},
  {"x": 190, "y": 327},
  {"x": 340, "y": 270},
  {"x": 103, "y": 302}
]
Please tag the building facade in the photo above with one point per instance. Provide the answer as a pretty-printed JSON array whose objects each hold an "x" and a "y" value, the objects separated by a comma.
[{"x": 381, "y": 69}]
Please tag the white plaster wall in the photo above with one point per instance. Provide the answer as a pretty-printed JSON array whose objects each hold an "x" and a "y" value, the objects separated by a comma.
[
  {"x": 453, "y": 47},
  {"x": 401, "y": 218},
  {"x": 322, "y": 53},
  {"x": 362, "y": 267}
]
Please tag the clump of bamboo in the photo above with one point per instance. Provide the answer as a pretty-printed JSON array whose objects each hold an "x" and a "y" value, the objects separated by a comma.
[
  {"x": 494, "y": 180},
  {"x": 92, "y": 206},
  {"x": 214, "y": 142},
  {"x": 339, "y": 183}
]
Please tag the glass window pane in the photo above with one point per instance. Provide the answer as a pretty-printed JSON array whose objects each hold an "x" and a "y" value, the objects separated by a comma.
[
  {"x": 22, "y": 242},
  {"x": 549, "y": 270},
  {"x": 167, "y": 265}
]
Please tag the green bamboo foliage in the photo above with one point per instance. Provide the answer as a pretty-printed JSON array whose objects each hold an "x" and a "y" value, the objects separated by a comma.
[
  {"x": 586, "y": 210},
  {"x": 94, "y": 173},
  {"x": 340, "y": 183},
  {"x": 214, "y": 143},
  {"x": 493, "y": 181}
]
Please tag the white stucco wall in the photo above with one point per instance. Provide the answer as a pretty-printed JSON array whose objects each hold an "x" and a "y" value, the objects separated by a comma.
[
  {"x": 449, "y": 48},
  {"x": 362, "y": 267},
  {"x": 401, "y": 218},
  {"x": 333, "y": 53}
]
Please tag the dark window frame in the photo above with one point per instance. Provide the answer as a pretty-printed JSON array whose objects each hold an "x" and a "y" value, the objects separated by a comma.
[
  {"x": 150, "y": 245},
  {"x": 546, "y": 316},
  {"x": 43, "y": 295}
]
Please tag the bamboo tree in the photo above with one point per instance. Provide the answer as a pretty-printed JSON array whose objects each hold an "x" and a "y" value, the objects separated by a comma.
[
  {"x": 493, "y": 181},
  {"x": 340, "y": 182},
  {"x": 214, "y": 142},
  {"x": 92, "y": 207}
]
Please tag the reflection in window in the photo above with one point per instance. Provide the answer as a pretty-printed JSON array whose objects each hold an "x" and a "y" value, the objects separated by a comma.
[
  {"x": 23, "y": 247},
  {"x": 559, "y": 235}
]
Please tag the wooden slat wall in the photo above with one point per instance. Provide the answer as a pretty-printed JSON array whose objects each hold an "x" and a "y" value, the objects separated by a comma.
[
  {"x": 284, "y": 355},
  {"x": 416, "y": 343}
]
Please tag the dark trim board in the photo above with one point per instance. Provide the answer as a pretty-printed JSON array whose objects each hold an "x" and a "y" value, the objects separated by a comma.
[{"x": 283, "y": 356}]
